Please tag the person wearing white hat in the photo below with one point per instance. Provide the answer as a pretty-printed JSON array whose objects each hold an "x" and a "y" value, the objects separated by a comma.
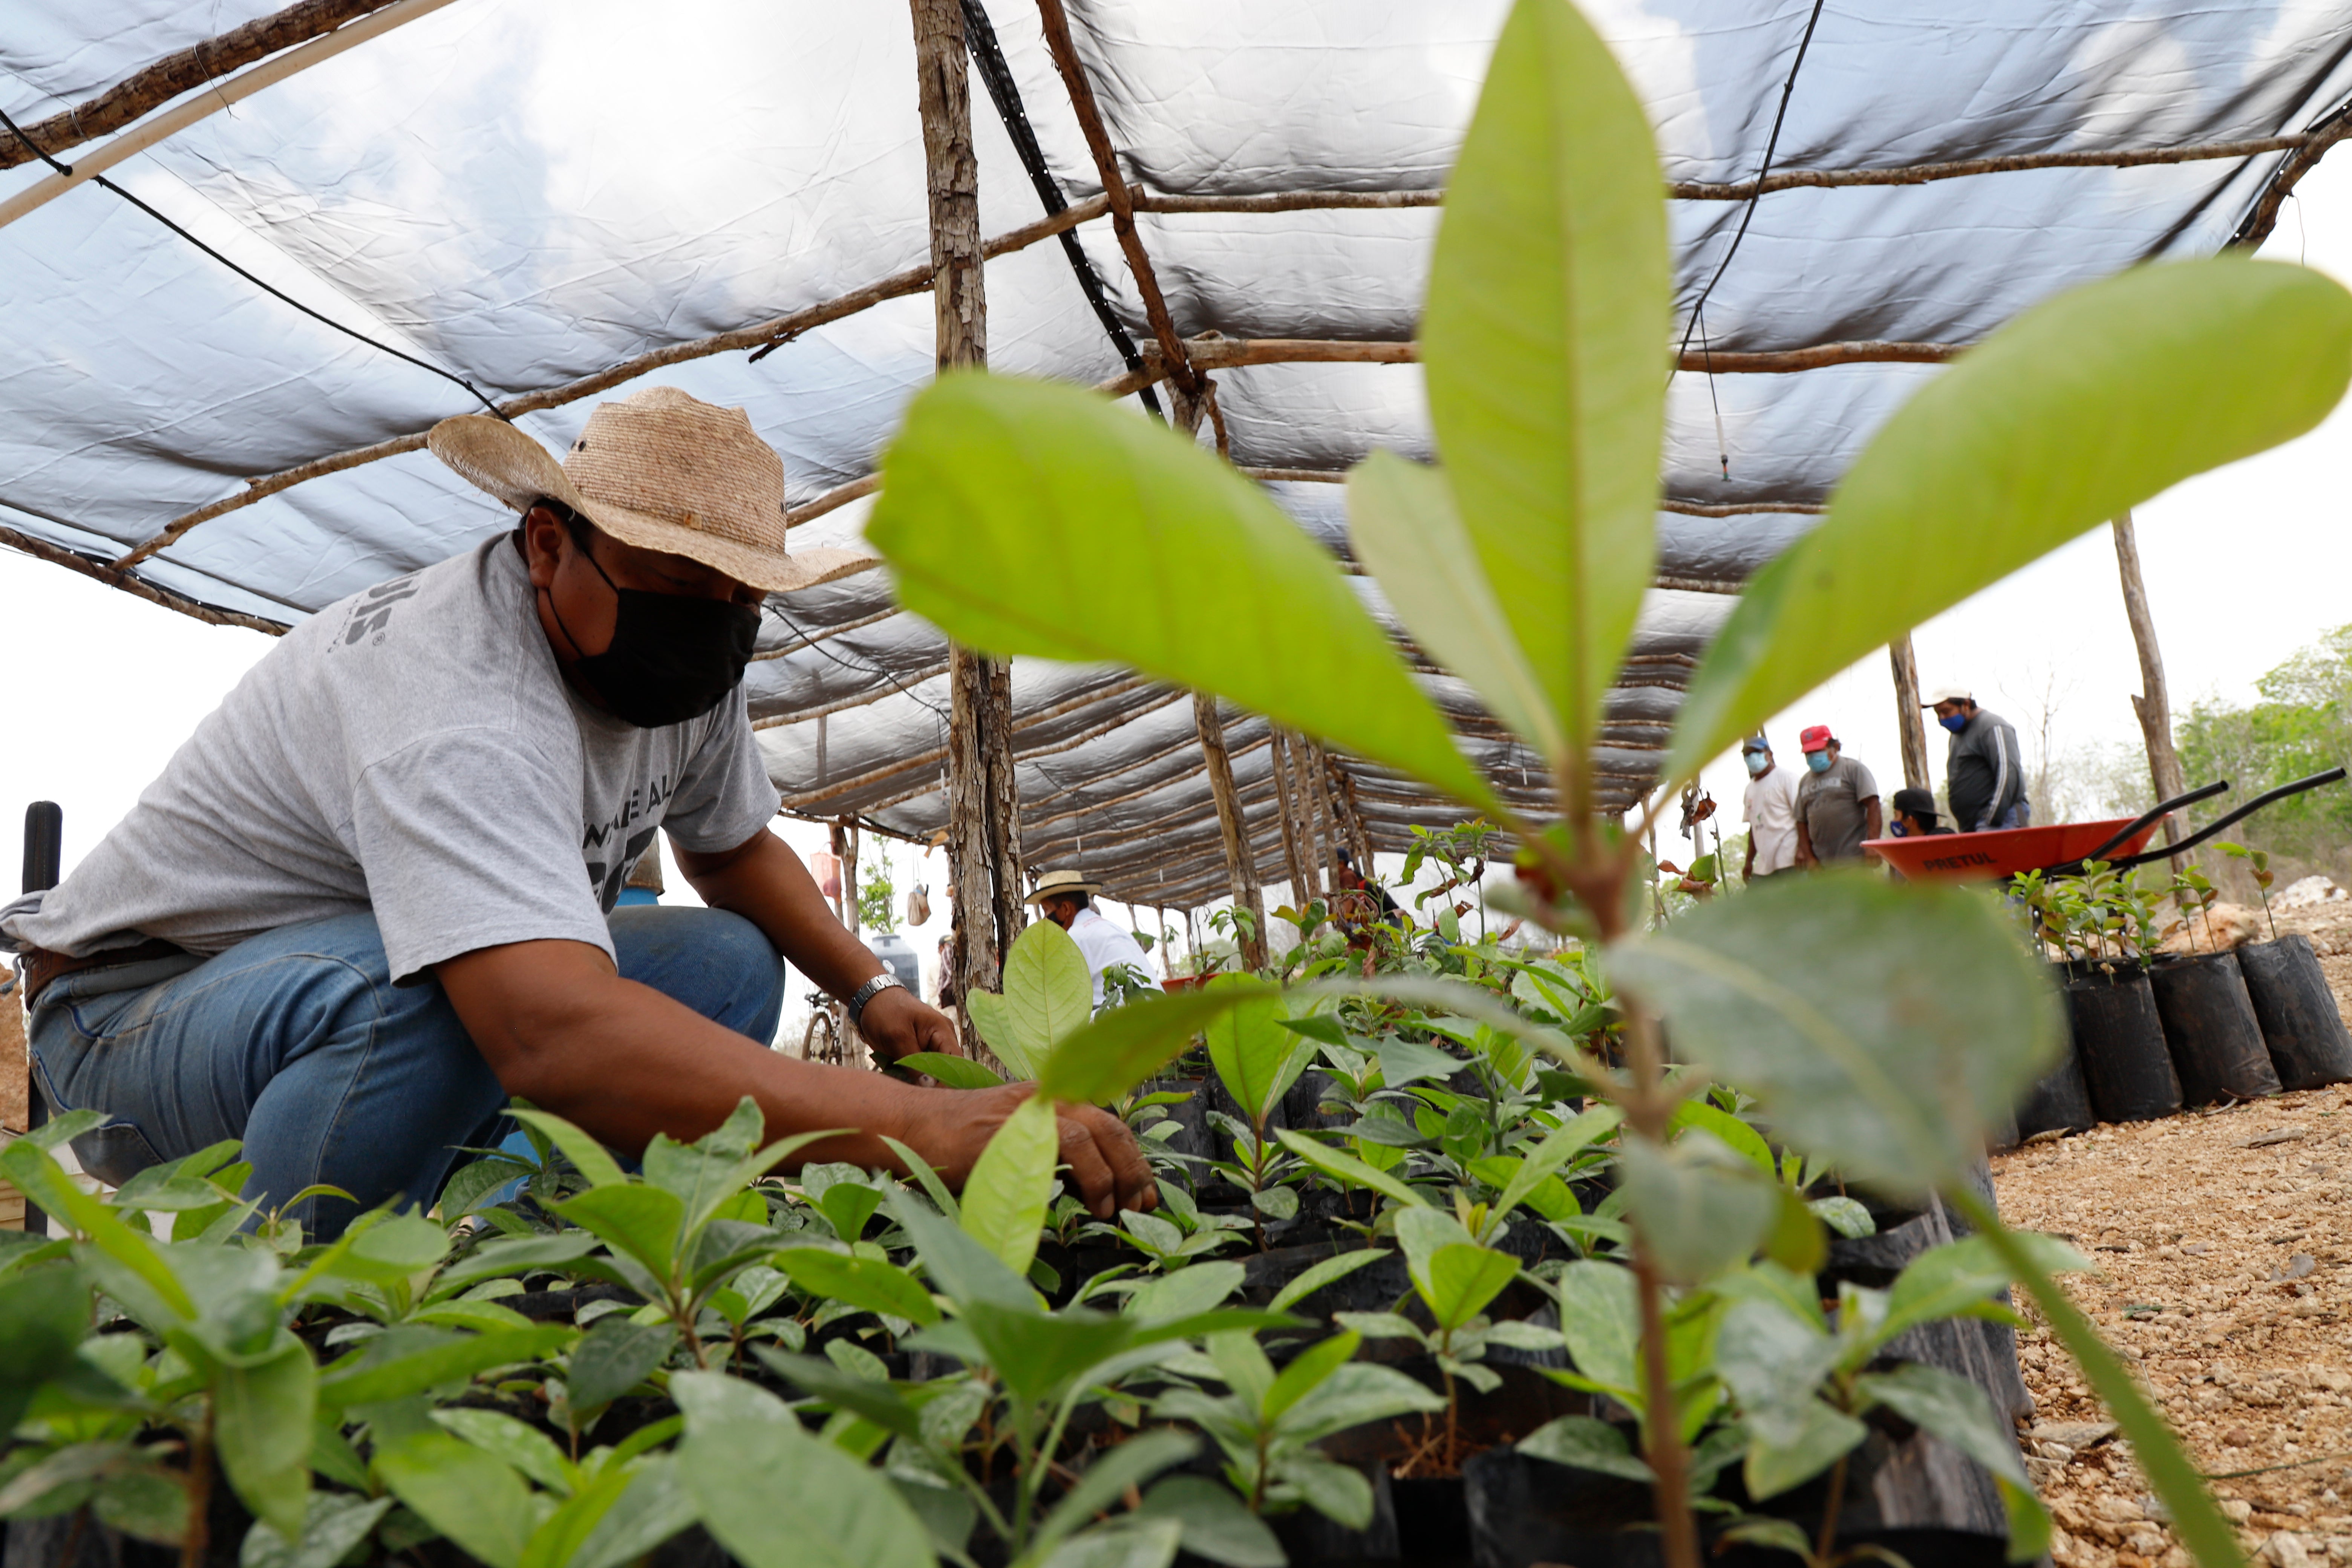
[
  {"x": 1067, "y": 898},
  {"x": 374, "y": 897},
  {"x": 1984, "y": 773}
]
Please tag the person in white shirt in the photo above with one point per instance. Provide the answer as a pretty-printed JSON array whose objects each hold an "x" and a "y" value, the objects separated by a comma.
[
  {"x": 1771, "y": 807},
  {"x": 1067, "y": 898}
]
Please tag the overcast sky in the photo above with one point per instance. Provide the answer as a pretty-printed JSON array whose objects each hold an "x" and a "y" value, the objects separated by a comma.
[{"x": 2243, "y": 566}]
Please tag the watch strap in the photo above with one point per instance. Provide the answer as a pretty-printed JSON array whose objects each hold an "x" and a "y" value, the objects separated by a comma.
[{"x": 886, "y": 981}]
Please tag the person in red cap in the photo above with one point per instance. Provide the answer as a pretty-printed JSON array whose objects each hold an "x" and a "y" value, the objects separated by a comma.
[{"x": 1837, "y": 803}]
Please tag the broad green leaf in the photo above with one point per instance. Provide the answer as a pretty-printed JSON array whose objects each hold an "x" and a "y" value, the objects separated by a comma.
[
  {"x": 261, "y": 1419},
  {"x": 1773, "y": 1362},
  {"x": 1817, "y": 1438},
  {"x": 1354, "y": 1393},
  {"x": 1049, "y": 993},
  {"x": 777, "y": 1497},
  {"x": 43, "y": 1315},
  {"x": 2080, "y": 408},
  {"x": 1319, "y": 1274},
  {"x": 1025, "y": 517},
  {"x": 1004, "y": 1197},
  {"x": 653, "y": 1508},
  {"x": 1404, "y": 1061},
  {"x": 1546, "y": 1157},
  {"x": 590, "y": 1158},
  {"x": 336, "y": 1522},
  {"x": 962, "y": 1269},
  {"x": 1338, "y": 1493},
  {"x": 526, "y": 1447},
  {"x": 955, "y": 1072},
  {"x": 1893, "y": 1071},
  {"x": 1697, "y": 1207},
  {"x": 1125, "y": 1542},
  {"x": 869, "y": 1283},
  {"x": 1599, "y": 1316},
  {"x": 877, "y": 1402},
  {"x": 560, "y": 1538},
  {"x": 1587, "y": 1445},
  {"x": 1306, "y": 1372},
  {"x": 1736, "y": 1135},
  {"x": 1217, "y": 1525},
  {"x": 1405, "y": 530},
  {"x": 645, "y": 1222},
  {"x": 514, "y": 1254},
  {"x": 1845, "y": 1215},
  {"x": 1126, "y": 1045},
  {"x": 1256, "y": 1059},
  {"x": 614, "y": 1357},
  {"x": 1540, "y": 340},
  {"x": 713, "y": 1398},
  {"x": 1111, "y": 1473},
  {"x": 1196, "y": 1288},
  {"x": 1346, "y": 1167},
  {"x": 993, "y": 1016},
  {"x": 1036, "y": 1354},
  {"x": 1947, "y": 1280},
  {"x": 1462, "y": 1279},
  {"x": 393, "y": 1251},
  {"x": 475, "y": 1500},
  {"x": 388, "y": 1371},
  {"x": 1957, "y": 1411}
]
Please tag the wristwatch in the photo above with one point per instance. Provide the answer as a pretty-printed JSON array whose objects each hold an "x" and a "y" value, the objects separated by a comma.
[{"x": 886, "y": 981}]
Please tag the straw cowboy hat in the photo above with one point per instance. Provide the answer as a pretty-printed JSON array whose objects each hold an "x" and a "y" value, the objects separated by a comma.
[
  {"x": 1054, "y": 882},
  {"x": 662, "y": 471}
]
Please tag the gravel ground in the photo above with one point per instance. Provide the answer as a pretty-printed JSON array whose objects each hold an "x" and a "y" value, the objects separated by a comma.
[{"x": 2224, "y": 1245}]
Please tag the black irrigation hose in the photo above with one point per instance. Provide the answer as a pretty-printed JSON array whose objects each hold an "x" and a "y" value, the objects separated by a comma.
[
  {"x": 988, "y": 56},
  {"x": 1771, "y": 145},
  {"x": 104, "y": 183}
]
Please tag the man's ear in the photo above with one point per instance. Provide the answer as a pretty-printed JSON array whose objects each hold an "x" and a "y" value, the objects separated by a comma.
[{"x": 543, "y": 535}]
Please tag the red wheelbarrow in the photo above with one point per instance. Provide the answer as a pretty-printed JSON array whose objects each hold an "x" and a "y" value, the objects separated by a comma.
[{"x": 2062, "y": 847}]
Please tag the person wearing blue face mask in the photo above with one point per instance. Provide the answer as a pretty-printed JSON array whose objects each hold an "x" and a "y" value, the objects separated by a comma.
[
  {"x": 1837, "y": 802},
  {"x": 1771, "y": 810},
  {"x": 1984, "y": 771}
]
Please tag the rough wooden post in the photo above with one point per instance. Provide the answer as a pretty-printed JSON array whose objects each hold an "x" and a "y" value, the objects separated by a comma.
[
  {"x": 984, "y": 811},
  {"x": 1910, "y": 723},
  {"x": 1285, "y": 797},
  {"x": 2153, "y": 705},
  {"x": 1241, "y": 865},
  {"x": 1322, "y": 829},
  {"x": 1347, "y": 822}
]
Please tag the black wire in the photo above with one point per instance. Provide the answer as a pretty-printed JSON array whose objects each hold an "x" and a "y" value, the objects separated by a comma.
[
  {"x": 1749, "y": 213},
  {"x": 104, "y": 183},
  {"x": 988, "y": 56},
  {"x": 811, "y": 644}
]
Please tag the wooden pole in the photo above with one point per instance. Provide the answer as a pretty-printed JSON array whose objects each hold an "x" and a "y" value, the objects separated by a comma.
[
  {"x": 1240, "y": 867},
  {"x": 1285, "y": 797},
  {"x": 1322, "y": 832},
  {"x": 1909, "y": 722},
  {"x": 983, "y": 828},
  {"x": 2153, "y": 705}
]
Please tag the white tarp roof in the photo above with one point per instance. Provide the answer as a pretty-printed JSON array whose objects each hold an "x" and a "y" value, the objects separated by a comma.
[{"x": 524, "y": 194}]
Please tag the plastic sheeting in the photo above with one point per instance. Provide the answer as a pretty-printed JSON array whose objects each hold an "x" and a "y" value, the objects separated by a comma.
[{"x": 523, "y": 194}]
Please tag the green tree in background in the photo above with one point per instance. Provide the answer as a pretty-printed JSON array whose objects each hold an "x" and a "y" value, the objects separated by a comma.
[
  {"x": 2302, "y": 725},
  {"x": 874, "y": 890}
]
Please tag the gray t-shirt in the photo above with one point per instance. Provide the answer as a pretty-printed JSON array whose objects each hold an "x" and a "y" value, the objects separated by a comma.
[
  {"x": 411, "y": 750},
  {"x": 1830, "y": 806}
]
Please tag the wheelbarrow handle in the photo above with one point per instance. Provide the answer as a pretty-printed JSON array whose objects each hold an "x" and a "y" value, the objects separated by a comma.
[
  {"x": 2204, "y": 792},
  {"x": 2252, "y": 806}
]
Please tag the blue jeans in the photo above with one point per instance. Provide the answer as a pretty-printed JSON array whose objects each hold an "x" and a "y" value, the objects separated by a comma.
[{"x": 297, "y": 1042}]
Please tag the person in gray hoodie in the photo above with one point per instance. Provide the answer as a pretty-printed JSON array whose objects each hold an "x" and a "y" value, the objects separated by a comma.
[{"x": 1984, "y": 771}]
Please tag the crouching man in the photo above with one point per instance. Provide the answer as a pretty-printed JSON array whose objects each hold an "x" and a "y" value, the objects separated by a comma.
[{"x": 373, "y": 897}]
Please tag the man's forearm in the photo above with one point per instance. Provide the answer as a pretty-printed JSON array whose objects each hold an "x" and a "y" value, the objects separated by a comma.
[
  {"x": 627, "y": 1062},
  {"x": 765, "y": 881}
]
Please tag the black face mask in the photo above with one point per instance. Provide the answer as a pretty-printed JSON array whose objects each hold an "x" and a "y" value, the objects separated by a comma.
[{"x": 674, "y": 657}]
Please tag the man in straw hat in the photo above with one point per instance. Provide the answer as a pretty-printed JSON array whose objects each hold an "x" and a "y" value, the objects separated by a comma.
[
  {"x": 1067, "y": 898},
  {"x": 373, "y": 897}
]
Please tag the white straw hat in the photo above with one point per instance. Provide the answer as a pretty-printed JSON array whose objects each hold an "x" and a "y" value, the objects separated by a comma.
[
  {"x": 662, "y": 471},
  {"x": 1948, "y": 694},
  {"x": 1054, "y": 882}
]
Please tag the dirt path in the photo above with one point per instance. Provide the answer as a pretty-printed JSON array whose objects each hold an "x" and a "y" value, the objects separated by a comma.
[{"x": 2224, "y": 1241}]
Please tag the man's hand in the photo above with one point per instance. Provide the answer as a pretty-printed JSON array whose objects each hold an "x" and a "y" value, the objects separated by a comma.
[
  {"x": 952, "y": 1126},
  {"x": 896, "y": 1022}
]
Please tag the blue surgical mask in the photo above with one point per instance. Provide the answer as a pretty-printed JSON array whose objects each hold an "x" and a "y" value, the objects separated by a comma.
[
  {"x": 1955, "y": 723},
  {"x": 1818, "y": 761},
  {"x": 1757, "y": 763},
  {"x": 1899, "y": 831}
]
